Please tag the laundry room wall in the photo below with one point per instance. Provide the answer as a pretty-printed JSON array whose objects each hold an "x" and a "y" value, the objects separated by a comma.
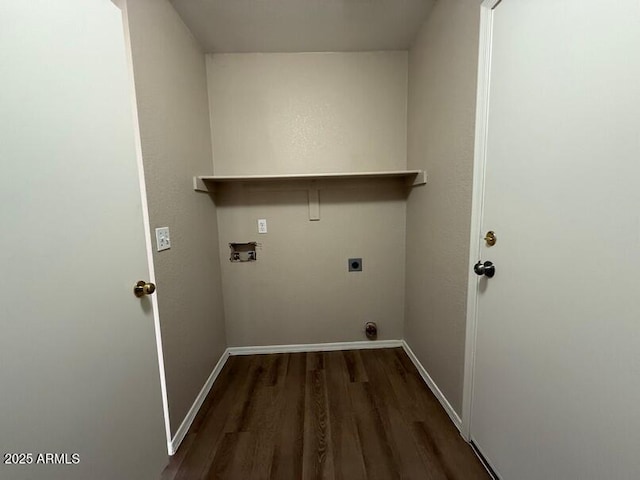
[
  {"x": 311, "y": 113},
  {"x": 442, "y": 96}
]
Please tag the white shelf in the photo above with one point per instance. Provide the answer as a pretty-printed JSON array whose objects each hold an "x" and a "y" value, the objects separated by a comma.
[{"x": 413, "y": 177}]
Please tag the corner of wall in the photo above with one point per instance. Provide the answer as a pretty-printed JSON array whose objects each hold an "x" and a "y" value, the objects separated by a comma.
[
  {"x": 440, "y": 139},
  {"x": 208, "y": 74}
]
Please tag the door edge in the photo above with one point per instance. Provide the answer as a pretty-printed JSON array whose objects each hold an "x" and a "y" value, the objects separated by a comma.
[
  {"x": 479, "y": 162},
  {"x": 122, "y": 5}
]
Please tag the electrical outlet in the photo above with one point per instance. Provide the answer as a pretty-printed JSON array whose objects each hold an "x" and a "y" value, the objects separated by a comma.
[
  {"x": 262, "y": 225},
  {"x": 163, "y": 240}
]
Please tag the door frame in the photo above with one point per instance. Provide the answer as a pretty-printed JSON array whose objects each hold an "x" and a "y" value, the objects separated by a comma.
[
  {"x": 477, "y": 208},
  {"x": 122, "y": 6}
]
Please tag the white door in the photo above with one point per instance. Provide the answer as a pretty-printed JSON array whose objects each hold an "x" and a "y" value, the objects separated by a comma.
[
  {"x": 79, "y": 371},
  {"x": 556, "y": 389}
]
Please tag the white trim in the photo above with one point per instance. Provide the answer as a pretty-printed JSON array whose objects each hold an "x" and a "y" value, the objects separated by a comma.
[
  {"x": 453, "y": 415},
  {"x": 145, "y": 220},
  {"x": 193, "y": 411},
  {"x": 480, "y": 147},
  {"x": 314, "y": 347}
]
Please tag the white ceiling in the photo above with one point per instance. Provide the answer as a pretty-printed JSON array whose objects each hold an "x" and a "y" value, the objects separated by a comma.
[{"x": 303, "y": 25}]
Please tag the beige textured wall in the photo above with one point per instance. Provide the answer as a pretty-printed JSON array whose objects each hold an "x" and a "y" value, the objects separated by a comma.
[
  {"x": 308, "y": 112},
  {"x": 275, "y": 113},
  {"x": 442, "y": 95},
  {"x": 170, "y": 76},
  {"x": 299, "y": 290}
]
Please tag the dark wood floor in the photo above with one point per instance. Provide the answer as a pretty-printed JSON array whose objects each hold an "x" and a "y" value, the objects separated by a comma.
[{"x": 360, "y": 414}]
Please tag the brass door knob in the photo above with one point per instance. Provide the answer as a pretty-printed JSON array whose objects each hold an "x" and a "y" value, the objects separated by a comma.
[{"x": 143, "y": 288}]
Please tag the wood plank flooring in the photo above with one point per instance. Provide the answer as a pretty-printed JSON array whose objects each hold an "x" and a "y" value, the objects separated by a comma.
[{"x": 352, "y": 415}]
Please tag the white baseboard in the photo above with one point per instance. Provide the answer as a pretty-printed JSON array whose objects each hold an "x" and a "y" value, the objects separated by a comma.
[
  {"x": 193, "y": 411},
  {"x": 315, "y": 347},
  {"x": 455, "y": 418}
]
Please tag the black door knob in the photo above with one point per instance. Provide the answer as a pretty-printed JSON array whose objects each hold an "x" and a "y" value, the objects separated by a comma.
[{"x": 487, "y": 269}]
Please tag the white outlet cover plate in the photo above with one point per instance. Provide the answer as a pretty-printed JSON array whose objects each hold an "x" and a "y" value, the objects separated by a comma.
[
  {"x": 163, "y": 240},
  {"x": 262, "y": 225}
]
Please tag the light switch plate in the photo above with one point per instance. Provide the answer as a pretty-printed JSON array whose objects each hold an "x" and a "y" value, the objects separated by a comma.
[
  {"x": 262, "y": 225},
  {"x": 163, "y": 240}
]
